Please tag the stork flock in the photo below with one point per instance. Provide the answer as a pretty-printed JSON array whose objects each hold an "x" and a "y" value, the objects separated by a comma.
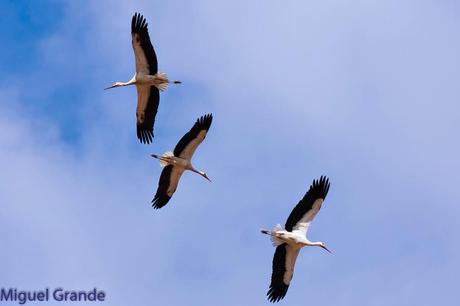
[{"x": 149, "y": 82}]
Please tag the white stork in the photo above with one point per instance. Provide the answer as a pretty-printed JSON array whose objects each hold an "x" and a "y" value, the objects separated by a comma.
[
  {"x": 148, "y": 79},
  {"x": 175, "y": 163},
  {"x": 292, "y": 238}
]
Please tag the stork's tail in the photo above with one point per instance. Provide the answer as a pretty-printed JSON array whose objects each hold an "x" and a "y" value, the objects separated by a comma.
[
  {"x": 163, "y": 84},
  {"x": 275, "y": 240},
  {"x": 164, "y": 81},
  {"x": 163, "y": 161}
]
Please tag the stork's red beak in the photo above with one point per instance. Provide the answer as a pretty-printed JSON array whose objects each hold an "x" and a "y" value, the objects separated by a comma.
[
  {"x": 206, "y": 177},
  {"x": 112, "y": 86},
  {"x": 324, "y": 247}
]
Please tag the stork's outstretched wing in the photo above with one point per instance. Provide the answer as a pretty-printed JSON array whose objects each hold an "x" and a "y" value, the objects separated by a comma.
[
  {"x": 167, "y": 185},
  {"x": 283, "y": 270},
  {"x": 304, "y": 212},
  {"x": 148, "y": 99},
  {"x": 146, "y": 59},
  {"x": 190, "y": 141}
]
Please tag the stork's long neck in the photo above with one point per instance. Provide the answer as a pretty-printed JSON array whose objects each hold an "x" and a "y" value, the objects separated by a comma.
[
  {"x": 131, "y": 82},
  {"x": 318, "y": 244},
  {"x": 203, "y": 174}
]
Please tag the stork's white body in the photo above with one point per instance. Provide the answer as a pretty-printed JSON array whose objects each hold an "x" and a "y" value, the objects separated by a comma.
[
  {"x": 159, "y": 80},
  {"x": 179, "y": 162},
  {"x": 296, "y": 239},
  {"x": 291, "y": 238}
]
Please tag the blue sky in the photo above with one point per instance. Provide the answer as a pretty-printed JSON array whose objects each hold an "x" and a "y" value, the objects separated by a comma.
[{"x": 365, "y": 92}]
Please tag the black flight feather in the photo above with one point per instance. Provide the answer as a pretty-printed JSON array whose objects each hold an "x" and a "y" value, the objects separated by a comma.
[
  {"x": 318, "y": 190},
  {"x": 161, "y": 197},
  {"x": 139, "y": 26},
  {"x": 278, "y": 288},
  {"x": 202, "y": 123},
  {"x": 145, "y": 127}
]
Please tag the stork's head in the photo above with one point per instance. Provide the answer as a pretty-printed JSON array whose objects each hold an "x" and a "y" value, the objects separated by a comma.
[{"x": 323, "y": 246}]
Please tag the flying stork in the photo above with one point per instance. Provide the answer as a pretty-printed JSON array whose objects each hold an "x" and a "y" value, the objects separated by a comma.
[
  {"x": 175, "y": 163},
  {"x": 292, "y": 238},
  {"x": 148, "y": 80}
]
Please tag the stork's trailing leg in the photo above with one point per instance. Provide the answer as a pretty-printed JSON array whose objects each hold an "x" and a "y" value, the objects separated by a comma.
[
  {"x": 274, "y": 235},
  {"x": 165, "y": 159},
  {"x": 161, "y": 81},
  {"x": 266, "y": 232}
]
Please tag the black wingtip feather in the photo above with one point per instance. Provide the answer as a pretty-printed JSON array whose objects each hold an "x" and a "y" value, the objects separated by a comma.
[
  {"x": 138, "y": 23},
  {"x": 278, "y": 289},
  {"x": 320, "y": 188},
  {"x": 161, "y": 197},
  {"x": 160, "y": 201},
  {"x": 139, "y": 26},
  {"x": 277, "y": 293},
  {"x": 205, "y": 121},
  {"x": 201, "y": 124},
  {"x": 145, "y": 136}
]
